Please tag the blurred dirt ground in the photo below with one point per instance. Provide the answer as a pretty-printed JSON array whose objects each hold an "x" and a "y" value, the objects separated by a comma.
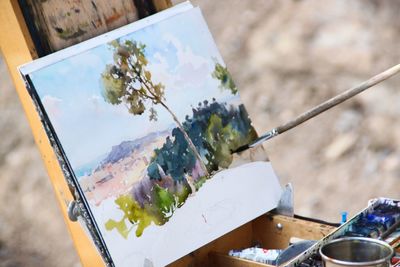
[{"x": 286, "y": 56}]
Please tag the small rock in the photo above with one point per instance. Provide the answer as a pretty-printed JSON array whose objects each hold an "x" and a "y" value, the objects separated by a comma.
[
  {"x": 340, "y": 146},
  {"x": 347, "y": 121},
  {"x": 379, "y": 133},
  {"x": 391, "y": 163}
]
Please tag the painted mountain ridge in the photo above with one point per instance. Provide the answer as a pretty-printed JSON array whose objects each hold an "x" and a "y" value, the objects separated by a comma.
[{"x": 126, "y": 148}]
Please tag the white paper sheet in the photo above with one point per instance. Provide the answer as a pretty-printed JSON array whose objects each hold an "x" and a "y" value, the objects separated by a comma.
[{"x": 223, "y": 203}]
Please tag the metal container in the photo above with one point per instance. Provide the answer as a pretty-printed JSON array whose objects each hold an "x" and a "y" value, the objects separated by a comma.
[{"x": 356, "y": 251}]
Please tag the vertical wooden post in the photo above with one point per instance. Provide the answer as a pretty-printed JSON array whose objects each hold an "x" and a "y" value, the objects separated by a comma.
[
  {"x": 61, "y": 23},
  {"x": 162, "y": 4}
]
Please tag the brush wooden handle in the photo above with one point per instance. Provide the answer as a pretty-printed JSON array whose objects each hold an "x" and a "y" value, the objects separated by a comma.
[
  {"x": 334, "y": 101},
  {"x": 338, "y": 99}
]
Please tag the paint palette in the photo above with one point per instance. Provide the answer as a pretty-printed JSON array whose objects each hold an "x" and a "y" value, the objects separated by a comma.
[{"x": 380, "y": 220}]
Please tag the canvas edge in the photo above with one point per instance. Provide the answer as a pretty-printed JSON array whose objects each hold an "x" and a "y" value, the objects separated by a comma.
[{"x": 90, "y": 225}]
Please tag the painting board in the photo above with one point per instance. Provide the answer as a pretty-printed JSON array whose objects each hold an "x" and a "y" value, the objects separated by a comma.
[{"x": 143, "y": 120}]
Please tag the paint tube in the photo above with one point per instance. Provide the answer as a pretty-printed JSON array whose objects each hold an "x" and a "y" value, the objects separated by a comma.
[
  {"x": 267, "y": 256},
  {"x": 386, "y": 221}
]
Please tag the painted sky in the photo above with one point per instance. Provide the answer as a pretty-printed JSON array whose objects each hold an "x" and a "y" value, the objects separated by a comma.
[{"x": 181, "y": 55}]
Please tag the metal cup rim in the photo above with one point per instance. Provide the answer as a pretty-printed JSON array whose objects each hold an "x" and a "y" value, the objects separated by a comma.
[{"x": 365, "y": 263}]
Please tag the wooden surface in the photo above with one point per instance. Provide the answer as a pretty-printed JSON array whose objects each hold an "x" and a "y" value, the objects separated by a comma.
[
  {"x": 56, "y": 24},
  {"x": 62, "y": 23},
  {"x": 238, "y": 238},
  {"x": 268, "y": 235},
  {"x": 261, "y": 231},
  {"x": 162, "y": 4}
]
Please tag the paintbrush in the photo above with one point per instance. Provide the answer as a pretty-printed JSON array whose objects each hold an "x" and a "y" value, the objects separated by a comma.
[{"x": 322, "y": 107}]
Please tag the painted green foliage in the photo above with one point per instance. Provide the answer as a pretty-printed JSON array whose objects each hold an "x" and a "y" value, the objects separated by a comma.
[
  {"x": 157, "y": 212},
  {"x": 222, "y": 74},
  {"x": 179, "y": 167},
  {"x": 220, "y": 139},
  {"x": 127, "y": 80}
]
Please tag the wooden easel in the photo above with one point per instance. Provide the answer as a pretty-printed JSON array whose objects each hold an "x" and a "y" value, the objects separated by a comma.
[{"x": 269, "y": 231}]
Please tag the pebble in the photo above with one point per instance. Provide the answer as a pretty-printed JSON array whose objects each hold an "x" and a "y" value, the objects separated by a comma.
[{"x": 340, "y": 146}]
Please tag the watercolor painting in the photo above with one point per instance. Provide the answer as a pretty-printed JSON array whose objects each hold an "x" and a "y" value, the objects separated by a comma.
[
  {"x": 189, "y": 152},
  {"x": 145, "y": 122}
]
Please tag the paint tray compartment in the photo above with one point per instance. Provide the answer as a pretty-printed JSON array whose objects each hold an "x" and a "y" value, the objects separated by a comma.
[
  {"x": 380, "y": 220},
  {"x": 269, "y": 231}
]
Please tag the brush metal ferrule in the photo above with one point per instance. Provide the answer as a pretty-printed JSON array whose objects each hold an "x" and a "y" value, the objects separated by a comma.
[{"x": 274, "y": 132}]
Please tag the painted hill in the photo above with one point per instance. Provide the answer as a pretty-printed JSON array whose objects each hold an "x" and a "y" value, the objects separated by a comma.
[
  {"x": 125, "y": 165},
  {"x": 126, "y": 148}
]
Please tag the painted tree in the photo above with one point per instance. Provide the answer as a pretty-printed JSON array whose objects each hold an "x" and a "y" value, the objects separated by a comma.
[
  {"x": 222, "y": 74},
  {"x": 128, "y": 82}
]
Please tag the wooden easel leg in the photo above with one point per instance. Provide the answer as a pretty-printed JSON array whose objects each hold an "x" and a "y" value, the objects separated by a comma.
[{"x": 17, "y": 49}]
